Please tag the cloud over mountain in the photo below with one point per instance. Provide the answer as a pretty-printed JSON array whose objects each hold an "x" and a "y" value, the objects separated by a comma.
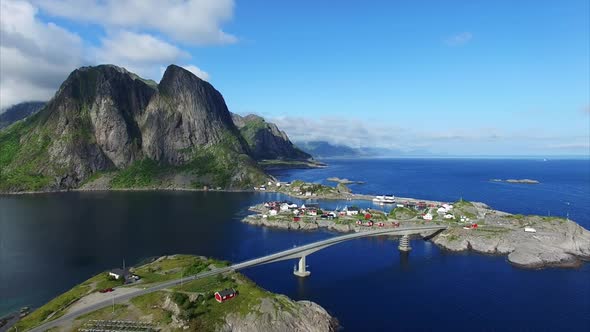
[{"x": 37, "y": 51}]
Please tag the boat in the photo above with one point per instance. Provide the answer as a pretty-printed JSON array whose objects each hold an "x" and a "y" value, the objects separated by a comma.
[{"x": 388, "y": 199}]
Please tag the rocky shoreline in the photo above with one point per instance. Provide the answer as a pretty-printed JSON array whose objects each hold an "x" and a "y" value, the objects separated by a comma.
[{"x": 531, "y": 242}]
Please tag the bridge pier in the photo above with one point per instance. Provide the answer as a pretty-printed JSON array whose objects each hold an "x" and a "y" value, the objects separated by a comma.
[
  {"x": 300, "y": 270},
  {"x": 404, "y": 243}
]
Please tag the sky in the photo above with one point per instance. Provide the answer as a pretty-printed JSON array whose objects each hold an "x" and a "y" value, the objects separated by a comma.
[{"x": 432, "y": 77}]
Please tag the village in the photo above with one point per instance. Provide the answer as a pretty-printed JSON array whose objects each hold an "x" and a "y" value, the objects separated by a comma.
[{"x": 311, "y": 215}]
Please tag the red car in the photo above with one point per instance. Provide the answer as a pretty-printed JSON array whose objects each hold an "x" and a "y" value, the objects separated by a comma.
[{"x": 106, "y": 290}]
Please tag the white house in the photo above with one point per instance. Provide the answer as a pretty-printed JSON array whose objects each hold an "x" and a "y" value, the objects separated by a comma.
[
  {"x": 441, "y": 210},
  {"x": 447, "y": 207},
  {"x": 449, "y": 216},
  {"x": 308, "y": 193},
  {"x": 284, "y": 207},
  {"x": 351, "y": 211},
  {"x": 272, "y": 212},
  {"x": 119, "y": 273},
  {"x": 530, "y": 230},
  {"x": 427, "y": 216}
]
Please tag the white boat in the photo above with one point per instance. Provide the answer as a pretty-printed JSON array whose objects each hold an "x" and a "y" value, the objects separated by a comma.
[{"x": 387, "y": 199}]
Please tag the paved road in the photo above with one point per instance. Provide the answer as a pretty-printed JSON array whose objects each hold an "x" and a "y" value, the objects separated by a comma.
[{"x": 279, "y": 256}]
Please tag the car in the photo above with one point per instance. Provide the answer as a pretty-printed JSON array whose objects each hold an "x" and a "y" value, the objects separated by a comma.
[{"x": 106, "y": 290}]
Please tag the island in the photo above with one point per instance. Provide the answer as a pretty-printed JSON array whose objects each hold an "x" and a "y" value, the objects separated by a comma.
[
  {"x": 523, "y": 181},
  {"x": 221, "y": 302},
  {"x": 527, "y": 241},
  {"x": 343, "y": 181}
]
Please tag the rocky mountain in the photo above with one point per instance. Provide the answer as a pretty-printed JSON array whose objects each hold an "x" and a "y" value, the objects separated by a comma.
[
  {"x": 266, "y": 140},
  {"x": 19, "y": 111},
  {"x": 106, "y": 121}
]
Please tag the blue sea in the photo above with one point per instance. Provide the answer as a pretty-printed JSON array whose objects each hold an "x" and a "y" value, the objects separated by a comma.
[{"x": 367, "y": 283}]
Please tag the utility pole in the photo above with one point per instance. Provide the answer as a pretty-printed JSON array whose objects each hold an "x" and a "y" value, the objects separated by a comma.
[{"x": 181, "y": 275}]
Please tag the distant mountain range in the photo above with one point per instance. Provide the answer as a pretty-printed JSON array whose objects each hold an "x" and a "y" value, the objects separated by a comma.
[
  {"x": 323, "y": 149},
  {"x": 19, "y": 111},
  {"x": 110, "y": 128}
]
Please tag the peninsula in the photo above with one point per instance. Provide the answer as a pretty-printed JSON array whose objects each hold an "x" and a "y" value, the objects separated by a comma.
[
  {"x": 220, "y": 302},
  {"x": 527, "y": 241}
]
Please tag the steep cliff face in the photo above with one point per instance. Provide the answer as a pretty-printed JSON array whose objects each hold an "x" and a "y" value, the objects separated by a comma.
[
  {"x": 266, "y": 140},
  {"x": 105, "y": 118}
]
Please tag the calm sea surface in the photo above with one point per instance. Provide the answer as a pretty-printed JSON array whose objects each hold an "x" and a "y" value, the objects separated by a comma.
[{"x": 50, "y": 242}]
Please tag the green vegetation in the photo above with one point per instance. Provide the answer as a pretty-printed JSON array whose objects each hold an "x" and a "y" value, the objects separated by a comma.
[
  {"x": 20, "y": 162},
  {"x": 453, "y": 237},
  {"x": 174, "y": 267},
  {"x": 142, "y": 173},
  {"x": 402, "y": 213},
  {"x": 251, "y": 128},
  {"x": 195, "y": 299},
  {"x": 56, "y": 307},
  {"x": 209, "y": 313}
]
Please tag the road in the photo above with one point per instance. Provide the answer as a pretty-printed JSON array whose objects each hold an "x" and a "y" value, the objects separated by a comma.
[{"x": 276, "y": 257}]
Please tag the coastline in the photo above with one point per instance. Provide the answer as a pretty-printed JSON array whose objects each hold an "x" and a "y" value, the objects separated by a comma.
[{"x": 559, "y": 242}]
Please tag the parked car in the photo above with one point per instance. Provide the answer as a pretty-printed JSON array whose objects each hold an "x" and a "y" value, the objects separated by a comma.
[{"x": 106, "y": 290}]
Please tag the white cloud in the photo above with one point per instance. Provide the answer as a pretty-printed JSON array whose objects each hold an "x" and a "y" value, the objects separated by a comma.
[
  {"x": 126, "y": 46},
  {"x": 139, "y": 53},
  {"x": 197, "y": 71},
  {"x": 35, "y": 57},
  {"x": 189, "y": 21},
  {"x": 459, "y": 39}
]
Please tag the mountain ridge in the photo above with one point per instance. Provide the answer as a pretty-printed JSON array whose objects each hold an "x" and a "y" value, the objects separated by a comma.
[
  {"x": 105, "y": 119},
  {"x": 266, "y": 140}
]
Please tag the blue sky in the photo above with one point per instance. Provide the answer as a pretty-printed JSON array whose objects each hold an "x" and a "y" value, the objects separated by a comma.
[{"x": 419, "y": 77}]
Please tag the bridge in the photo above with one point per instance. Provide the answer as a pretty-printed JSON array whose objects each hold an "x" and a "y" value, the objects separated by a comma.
[
  {"x": 303, "y": 251},
  {"x": 300, "y": 253}
]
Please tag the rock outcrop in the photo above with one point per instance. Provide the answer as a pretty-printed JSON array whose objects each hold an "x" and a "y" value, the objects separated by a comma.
[
  {"x": 556, "y": 242},
  {"x": 105, "y": 118},
  {"x": 266, "y": 140},
  {"x": 301, "y": 316}
]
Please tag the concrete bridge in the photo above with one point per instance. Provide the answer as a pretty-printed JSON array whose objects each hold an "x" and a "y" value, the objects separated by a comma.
[
  {"x": 295, "y": 253},
  {"x": 303, "y": 251}
]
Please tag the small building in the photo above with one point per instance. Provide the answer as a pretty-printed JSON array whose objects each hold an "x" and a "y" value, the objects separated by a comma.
[
  {"x": 284, "y": 207},
  {"x": 530, "y": 230},
  {"x": 368, "y": 216},
  {"x": 421, "y": 205},
  {"x": 226, "y": 294},
  {"x": 449, "y": 216},
  {"x": 351, "y": 211},
  {"x": 427, "y": 216},
  {"x": 119, "y": 273},
  {"x": 312, "y": 212},
  {"x": 296, "y": 219},
  {"x": 272, "y": 212}
]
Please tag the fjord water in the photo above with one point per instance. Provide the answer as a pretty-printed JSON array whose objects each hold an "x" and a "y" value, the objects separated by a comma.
[{"x": 49, "y": 242}]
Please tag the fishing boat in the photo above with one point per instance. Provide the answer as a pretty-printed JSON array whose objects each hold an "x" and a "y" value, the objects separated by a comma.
[{"x": 386, "y": 199}]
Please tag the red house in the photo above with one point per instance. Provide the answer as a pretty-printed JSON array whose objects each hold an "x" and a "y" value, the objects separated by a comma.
[
  {"x": 226, "y": 294},
  {"x": 296, "y": 219},
  {"x": 367, "y": 216}
]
